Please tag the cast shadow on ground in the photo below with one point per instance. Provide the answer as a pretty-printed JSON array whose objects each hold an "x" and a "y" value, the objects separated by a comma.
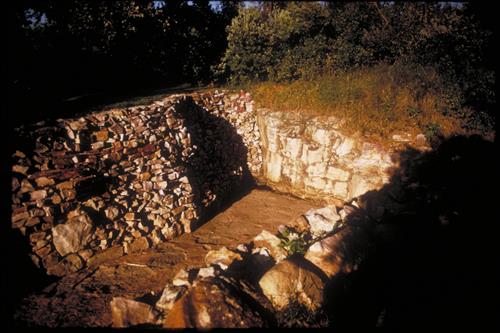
[
  {"x": 220, "y": 152},
  {"x": 429, "y": 257}
]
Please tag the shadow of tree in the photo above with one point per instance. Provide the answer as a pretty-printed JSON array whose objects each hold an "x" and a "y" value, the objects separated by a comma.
[{"x": 428, "y": 258}]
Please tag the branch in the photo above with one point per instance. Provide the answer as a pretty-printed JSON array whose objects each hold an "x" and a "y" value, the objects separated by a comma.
[{"x": 386, "y": 21}]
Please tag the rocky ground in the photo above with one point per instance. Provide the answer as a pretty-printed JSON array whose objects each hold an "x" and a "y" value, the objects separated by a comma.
[{"x": 83, "y": 299}]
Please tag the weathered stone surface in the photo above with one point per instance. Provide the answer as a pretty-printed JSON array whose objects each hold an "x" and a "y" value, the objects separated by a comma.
[
  {"x": 288, "y": 280},
  {"x": 38, "y": 195},
  {"x": 70, "y": 263},
  {"x": 359, "y": 185},
  {"x": 322, "y": 220},
  {"x": 221, "y": 257},
  {"x": 337, "y": 174},
  {"x": 73, "y": 235},
  {"x": 312, "y": 158},
  {"x": 44, "y": 181},
  {"x": 211, "y": 304},
  {"x": 138, "y": 245},
  {"x": 272, "y": 243},
  {"x": 169, "y": 295},
  {"x": 126, "y": 312},
  {"x": 329, "y": 253},
  {"x": 20, "y": 169},
  {"x": 300, "y": 224},
  {"x": 106, "y": 255}
]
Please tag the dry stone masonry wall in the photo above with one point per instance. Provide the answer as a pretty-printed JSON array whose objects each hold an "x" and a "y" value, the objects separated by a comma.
[
  {"x": 96, "y": 187},
  {"x": 123, "y": 180},
  {"x": 310, "y": 158}
]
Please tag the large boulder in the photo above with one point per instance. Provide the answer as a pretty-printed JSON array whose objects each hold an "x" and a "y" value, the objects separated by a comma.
[
  {"x": 209, "y": 304},
  {"x": 293, "y": 279},
  {"x": 73, "y": 235}
]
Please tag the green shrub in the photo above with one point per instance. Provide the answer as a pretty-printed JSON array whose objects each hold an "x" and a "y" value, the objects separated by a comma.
[{"x": 293, "y": 242}]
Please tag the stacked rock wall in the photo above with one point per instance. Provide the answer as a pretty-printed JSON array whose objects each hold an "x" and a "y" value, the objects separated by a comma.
[
  {"x": 122, "y": 180},
  {"x": 310, "y": 158}
]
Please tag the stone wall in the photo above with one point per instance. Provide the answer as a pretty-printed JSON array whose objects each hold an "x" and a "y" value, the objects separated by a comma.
[
  {"x": 122, "y": 180},
  {"x": 310, "y": 158}
]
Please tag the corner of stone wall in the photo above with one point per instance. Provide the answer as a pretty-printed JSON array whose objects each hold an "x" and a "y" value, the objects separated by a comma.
[{"x": 93, "y": 188}]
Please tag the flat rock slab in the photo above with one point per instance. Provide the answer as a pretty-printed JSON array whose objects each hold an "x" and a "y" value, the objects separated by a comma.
[{"x": 82, "y": 299}]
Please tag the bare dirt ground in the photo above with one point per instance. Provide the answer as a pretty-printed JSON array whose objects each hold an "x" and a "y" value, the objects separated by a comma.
[{"x": 82, "y": 299}]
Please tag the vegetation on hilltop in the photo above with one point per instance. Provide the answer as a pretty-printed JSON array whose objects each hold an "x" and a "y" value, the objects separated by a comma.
[{"x": 386, "y": 65}]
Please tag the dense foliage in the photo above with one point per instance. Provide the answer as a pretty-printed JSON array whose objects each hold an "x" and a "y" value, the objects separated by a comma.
[
  {"x": 300, "y": 40},
  {"x": 61, "y": 49}
]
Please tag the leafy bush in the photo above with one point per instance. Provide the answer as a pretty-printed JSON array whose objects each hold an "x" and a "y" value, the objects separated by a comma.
[{"x": 293, "y": 242}]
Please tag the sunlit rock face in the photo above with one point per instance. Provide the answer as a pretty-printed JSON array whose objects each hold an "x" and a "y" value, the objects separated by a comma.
[{"x": 311, "y": 158}]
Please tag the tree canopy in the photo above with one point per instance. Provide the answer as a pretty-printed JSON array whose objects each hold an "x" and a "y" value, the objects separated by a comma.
[{"x": 59, "y": 49}]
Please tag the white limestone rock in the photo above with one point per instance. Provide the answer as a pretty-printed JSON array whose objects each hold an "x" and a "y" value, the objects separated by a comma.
[
  {"x": 322, "y": 220},
  {"x": 73, "y": 235}
]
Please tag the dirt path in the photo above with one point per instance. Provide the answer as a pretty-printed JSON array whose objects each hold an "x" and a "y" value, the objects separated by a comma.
[{"x": 82, "y": 299}]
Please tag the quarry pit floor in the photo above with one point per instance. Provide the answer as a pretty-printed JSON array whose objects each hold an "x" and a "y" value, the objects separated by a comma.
[{"x": 82, "y": 299}]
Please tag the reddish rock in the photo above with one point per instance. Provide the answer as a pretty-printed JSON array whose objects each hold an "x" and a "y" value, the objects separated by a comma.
[
  {"x": 43, "y": 251},
  {"x": 20, "y": 169},
  {"x": 127, "y": 312},
  {"x": 38, "y": 195},
  {"x": 111, "y": 253},
  {"x": 101, "y": 135},
  {"x": 44, "y": 181},
  {"x": 73, "y": 235},
  {"x": 32, "y": 222},
  {"x": 288, "y": 280},
  {"x": 65, "y": 185},
  {"x": 211, "y": 304},
  {"x": 138, "y": 245},
  {"x": 222, "y": 257},
  {"x": 15, "y": 184}
]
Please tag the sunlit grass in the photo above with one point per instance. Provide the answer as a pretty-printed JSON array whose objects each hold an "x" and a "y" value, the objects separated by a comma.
[{"x": 378, "y": 101}]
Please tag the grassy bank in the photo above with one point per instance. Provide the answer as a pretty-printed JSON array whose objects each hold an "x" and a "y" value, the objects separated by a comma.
[{"x": 379, "y": 101}]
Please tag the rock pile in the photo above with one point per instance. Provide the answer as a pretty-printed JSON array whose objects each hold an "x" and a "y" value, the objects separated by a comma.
[
  {"x": 249, "y": 285},
  {"x": 123, "y": 180}
]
